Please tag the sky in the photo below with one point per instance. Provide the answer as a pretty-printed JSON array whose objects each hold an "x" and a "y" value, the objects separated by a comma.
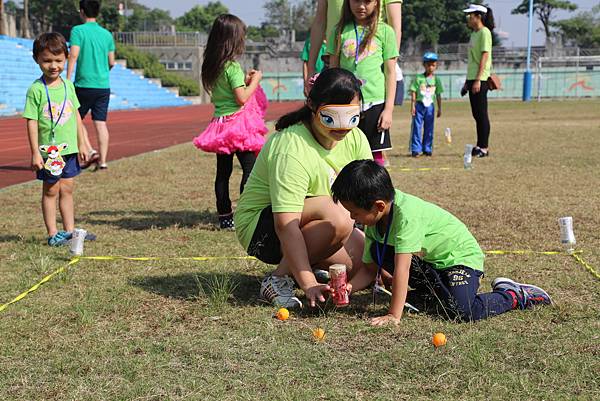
[{"x": 251, "y": 12}]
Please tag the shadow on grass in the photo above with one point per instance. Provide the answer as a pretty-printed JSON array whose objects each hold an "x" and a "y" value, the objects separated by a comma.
[
  {"x": 10, "y": 238},
  {"x": 138, "y": 220},
  {"x": 192, "y": 286}
]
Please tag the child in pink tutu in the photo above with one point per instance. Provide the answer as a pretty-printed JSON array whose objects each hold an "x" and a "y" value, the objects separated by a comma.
[{"x": 238, "y": 126}]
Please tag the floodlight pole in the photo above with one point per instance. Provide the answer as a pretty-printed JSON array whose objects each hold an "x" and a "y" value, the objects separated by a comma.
[{"x": 528, "y": 76}]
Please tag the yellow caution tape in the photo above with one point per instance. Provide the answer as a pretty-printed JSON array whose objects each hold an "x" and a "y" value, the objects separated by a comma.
[
  {"x": 586, "y": 265},
  {"x": 36, "y": 286},
  {"x": 527, "y": 251},
  {"x": 196, "y": 258}
]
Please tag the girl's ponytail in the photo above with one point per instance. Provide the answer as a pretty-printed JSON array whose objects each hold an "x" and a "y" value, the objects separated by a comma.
[
  {"x": 293, "y": 118},
  {"x": 488, "y": 19}
]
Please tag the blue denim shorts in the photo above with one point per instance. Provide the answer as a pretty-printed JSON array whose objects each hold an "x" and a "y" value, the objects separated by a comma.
[{"x": 71, "y": 170}]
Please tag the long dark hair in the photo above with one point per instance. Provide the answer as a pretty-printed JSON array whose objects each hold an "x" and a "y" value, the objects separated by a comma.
[
  {"x": 487, "y": 19},
  {"x": 225, "y": 43},
  {"x": 333, "y": 86},
  {"x": 347, "y": 18}
]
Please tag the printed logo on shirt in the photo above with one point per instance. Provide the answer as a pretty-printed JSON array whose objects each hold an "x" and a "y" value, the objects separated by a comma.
[
  {"x": 349, "y": 49},
  {"x": 427, "y": 91},
  {"x": 56, "y": 108}
]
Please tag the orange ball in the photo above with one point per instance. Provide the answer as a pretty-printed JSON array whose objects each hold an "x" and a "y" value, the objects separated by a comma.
[
  {"x": 318, "y": 334},
  {"x": 282, "y": 314},
  {"x": 439, "y": 339}
]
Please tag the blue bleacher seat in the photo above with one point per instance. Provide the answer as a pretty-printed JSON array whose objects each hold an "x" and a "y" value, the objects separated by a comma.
[{"x": 128, "y": 90}]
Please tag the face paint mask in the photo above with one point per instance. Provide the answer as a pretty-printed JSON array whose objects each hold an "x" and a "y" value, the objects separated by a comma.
[{"x": 339, "y": 116}]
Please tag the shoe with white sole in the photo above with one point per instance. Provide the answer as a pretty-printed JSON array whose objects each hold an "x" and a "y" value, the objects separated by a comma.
[
  {"x": 279, "y": 291},
  {"x": 527, "y": 295}
]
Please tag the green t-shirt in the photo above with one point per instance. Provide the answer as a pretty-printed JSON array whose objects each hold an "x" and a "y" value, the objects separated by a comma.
[
  {"x": 306, "y": 54},
  {"x": 334, "y": 13},
  {"x": 426, "y": 88},
  {"x": 36, "y": 108},
  {"x": 420, "y": 226},
  {"x": 94, "y": 44},
  {"x": 222, "y": 95},
  {"x": 292, "y": 166},
  {"x": 481, "y": 41},
  {"x": 368, "y": 69}
]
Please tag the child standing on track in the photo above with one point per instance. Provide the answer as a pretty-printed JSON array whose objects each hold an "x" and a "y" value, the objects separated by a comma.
[
  {"x": 55, "y": 134},
  {"x": 425, "y": 89},
  {"x": 424, "y": 246},
  {"x": 361, "y": 44},
  {"x": 238, "y": 126}
]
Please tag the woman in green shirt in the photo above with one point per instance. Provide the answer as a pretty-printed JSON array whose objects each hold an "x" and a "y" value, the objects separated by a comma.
[
  {"x": 481, "y": 20},
  {"x": 286, "y": 216}
]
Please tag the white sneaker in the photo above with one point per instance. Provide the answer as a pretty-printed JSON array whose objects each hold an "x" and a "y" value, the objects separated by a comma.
[{"x": 279, "y": 290}]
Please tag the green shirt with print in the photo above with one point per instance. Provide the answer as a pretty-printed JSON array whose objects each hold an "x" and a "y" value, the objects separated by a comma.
[
  {"x": 36, "y": 108},
  {"x": 368, "y": 69},
  {"x": 292, "y": 166},
  {"x": 334, "y": 13},
  {"x": 426, "y": 88},
  {"x": 481, "y": 41},
  {"x": 306, "y": 54},
  {"x": 222, "y": 95},
  {"x": 422, "y": 227},
  {"x": 94, "y": 44}
]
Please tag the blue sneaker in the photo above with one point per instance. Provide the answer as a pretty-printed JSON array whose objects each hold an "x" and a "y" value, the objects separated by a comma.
[
  {"x": 527, "y": 295},
  {"x": 60, "y": 238}
]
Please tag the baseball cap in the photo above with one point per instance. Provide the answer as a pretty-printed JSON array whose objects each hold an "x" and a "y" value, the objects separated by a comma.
[{"x": 430, "y": 56}]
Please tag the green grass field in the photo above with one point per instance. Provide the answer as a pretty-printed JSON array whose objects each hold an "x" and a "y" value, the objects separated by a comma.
[{"x": 194, "y": 330}]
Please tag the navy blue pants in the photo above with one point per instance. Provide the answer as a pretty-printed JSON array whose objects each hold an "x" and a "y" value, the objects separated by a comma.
[
  {"x": 423, "y": 120},
  {"x": 454, "y": 289}
]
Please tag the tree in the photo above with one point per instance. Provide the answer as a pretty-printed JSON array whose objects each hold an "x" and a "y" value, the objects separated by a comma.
[
  {"x": 544, "y": 9},
  {"x": 284, "y": 15},
  {"x": 260, "y": 33},
  {"x": 146, "y": 19},
  {"x": 583, "y": 30},
  {"x": 422, "y": 21},
  {"x": 201, "y": 18}
]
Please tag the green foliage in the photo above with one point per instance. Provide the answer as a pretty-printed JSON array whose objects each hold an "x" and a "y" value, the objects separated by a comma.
[
  {"x": 543, "y": 9},
  {"x": 200, "y": 18},
  {"x": 154, "y": 69},
  {"x": 259, "y": 34},
  {"x": 281, "y": 14},
  {"x": 146, "y": 19},
  {"x": 422, "y": 20},
  {"x": 582, "y": 30}
]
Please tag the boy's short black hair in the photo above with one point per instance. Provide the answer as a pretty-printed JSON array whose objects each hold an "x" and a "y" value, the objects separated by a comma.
[
  {"x": 363, "y": 182},
  {"x": 54, "y": 42},
  {"x": 91, "y": 8}
]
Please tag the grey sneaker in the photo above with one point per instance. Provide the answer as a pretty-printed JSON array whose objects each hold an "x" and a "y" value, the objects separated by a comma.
[
  {"x": 527, "y": 295},
  {"x": 279, "y": 290}
]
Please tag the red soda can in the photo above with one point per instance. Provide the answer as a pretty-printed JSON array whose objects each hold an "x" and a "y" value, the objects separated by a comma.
[{"x": 337, "y": 282}]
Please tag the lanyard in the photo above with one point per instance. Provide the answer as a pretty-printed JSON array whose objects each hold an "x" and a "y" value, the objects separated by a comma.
[
  {"x": 358, "y": 42},
  {"x": 381, "y": 254},
  {"x": 52, "y": 125}
]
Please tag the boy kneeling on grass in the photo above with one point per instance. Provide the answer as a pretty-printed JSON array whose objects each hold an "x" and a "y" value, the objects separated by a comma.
[{"x": 424, "y": 246}]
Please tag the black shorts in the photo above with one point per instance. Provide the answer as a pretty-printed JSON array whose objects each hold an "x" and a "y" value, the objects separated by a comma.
[
  {"x": 265, "y": 245},
  {"x": 71, "y": 169},
  {"x": 94, "y": 99},
  {"x": 368, "y": 124}
]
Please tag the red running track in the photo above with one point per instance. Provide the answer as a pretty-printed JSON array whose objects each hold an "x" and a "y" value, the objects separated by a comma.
[{"x": 131, "y": 133}]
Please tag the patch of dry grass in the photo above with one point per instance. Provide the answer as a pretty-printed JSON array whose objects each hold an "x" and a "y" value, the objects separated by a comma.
[{"x": 172, "y": 329}]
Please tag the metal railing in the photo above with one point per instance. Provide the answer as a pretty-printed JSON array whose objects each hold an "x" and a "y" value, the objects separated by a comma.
[{"x": 161, "y": 39}]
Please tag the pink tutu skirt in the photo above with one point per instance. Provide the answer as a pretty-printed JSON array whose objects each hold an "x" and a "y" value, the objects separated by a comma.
[{"x": 243, "y": 131}]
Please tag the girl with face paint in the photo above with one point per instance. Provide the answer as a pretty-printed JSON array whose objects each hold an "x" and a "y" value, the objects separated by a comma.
[{"x": 286, "y": 216}]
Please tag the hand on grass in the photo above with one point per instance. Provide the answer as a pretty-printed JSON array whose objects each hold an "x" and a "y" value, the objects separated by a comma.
[
  {"x": 317, "y": 293},
  {"x": 385, "y": 320}
]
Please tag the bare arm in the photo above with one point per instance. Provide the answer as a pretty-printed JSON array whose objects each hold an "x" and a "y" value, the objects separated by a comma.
[
  {"x": 111, "y": 60},
  {"x": 399, "y": 291},
  {"x": 334, "y": 61},
  {"x": 385, "y": 119},
  {"x": 477, "y": 84},
  {"x": 37, "y": 163},
  {"x": 438, "y": 99},
  {"x": 413, "y": 103},
  {"x": 82, "y": 144},
  {"x": 243, "y": 93},
  {"x": 317, "y": 35},
  {"x": 73, "y": 55},
  {"x": 394, "y": 19}
]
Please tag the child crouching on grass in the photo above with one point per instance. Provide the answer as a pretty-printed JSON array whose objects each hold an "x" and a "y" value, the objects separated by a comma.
[
  {"x": 422, "y": 246},
  {"x": 55, "y": 135}
]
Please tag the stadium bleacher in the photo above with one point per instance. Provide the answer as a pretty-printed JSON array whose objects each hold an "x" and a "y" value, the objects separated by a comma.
[{"x": 128, "y": 89}]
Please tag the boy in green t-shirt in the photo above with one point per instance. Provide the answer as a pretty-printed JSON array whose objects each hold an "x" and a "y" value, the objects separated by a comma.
[
  {"x": 55, "y": 134},
  {"x": 425, "y": 89},
  {"x": 424, "y": 246}
]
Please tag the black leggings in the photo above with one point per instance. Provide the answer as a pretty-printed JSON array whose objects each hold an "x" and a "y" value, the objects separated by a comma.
[
  {"x": 479, "y": 109},
  {"x": 224, "y": 169}
]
